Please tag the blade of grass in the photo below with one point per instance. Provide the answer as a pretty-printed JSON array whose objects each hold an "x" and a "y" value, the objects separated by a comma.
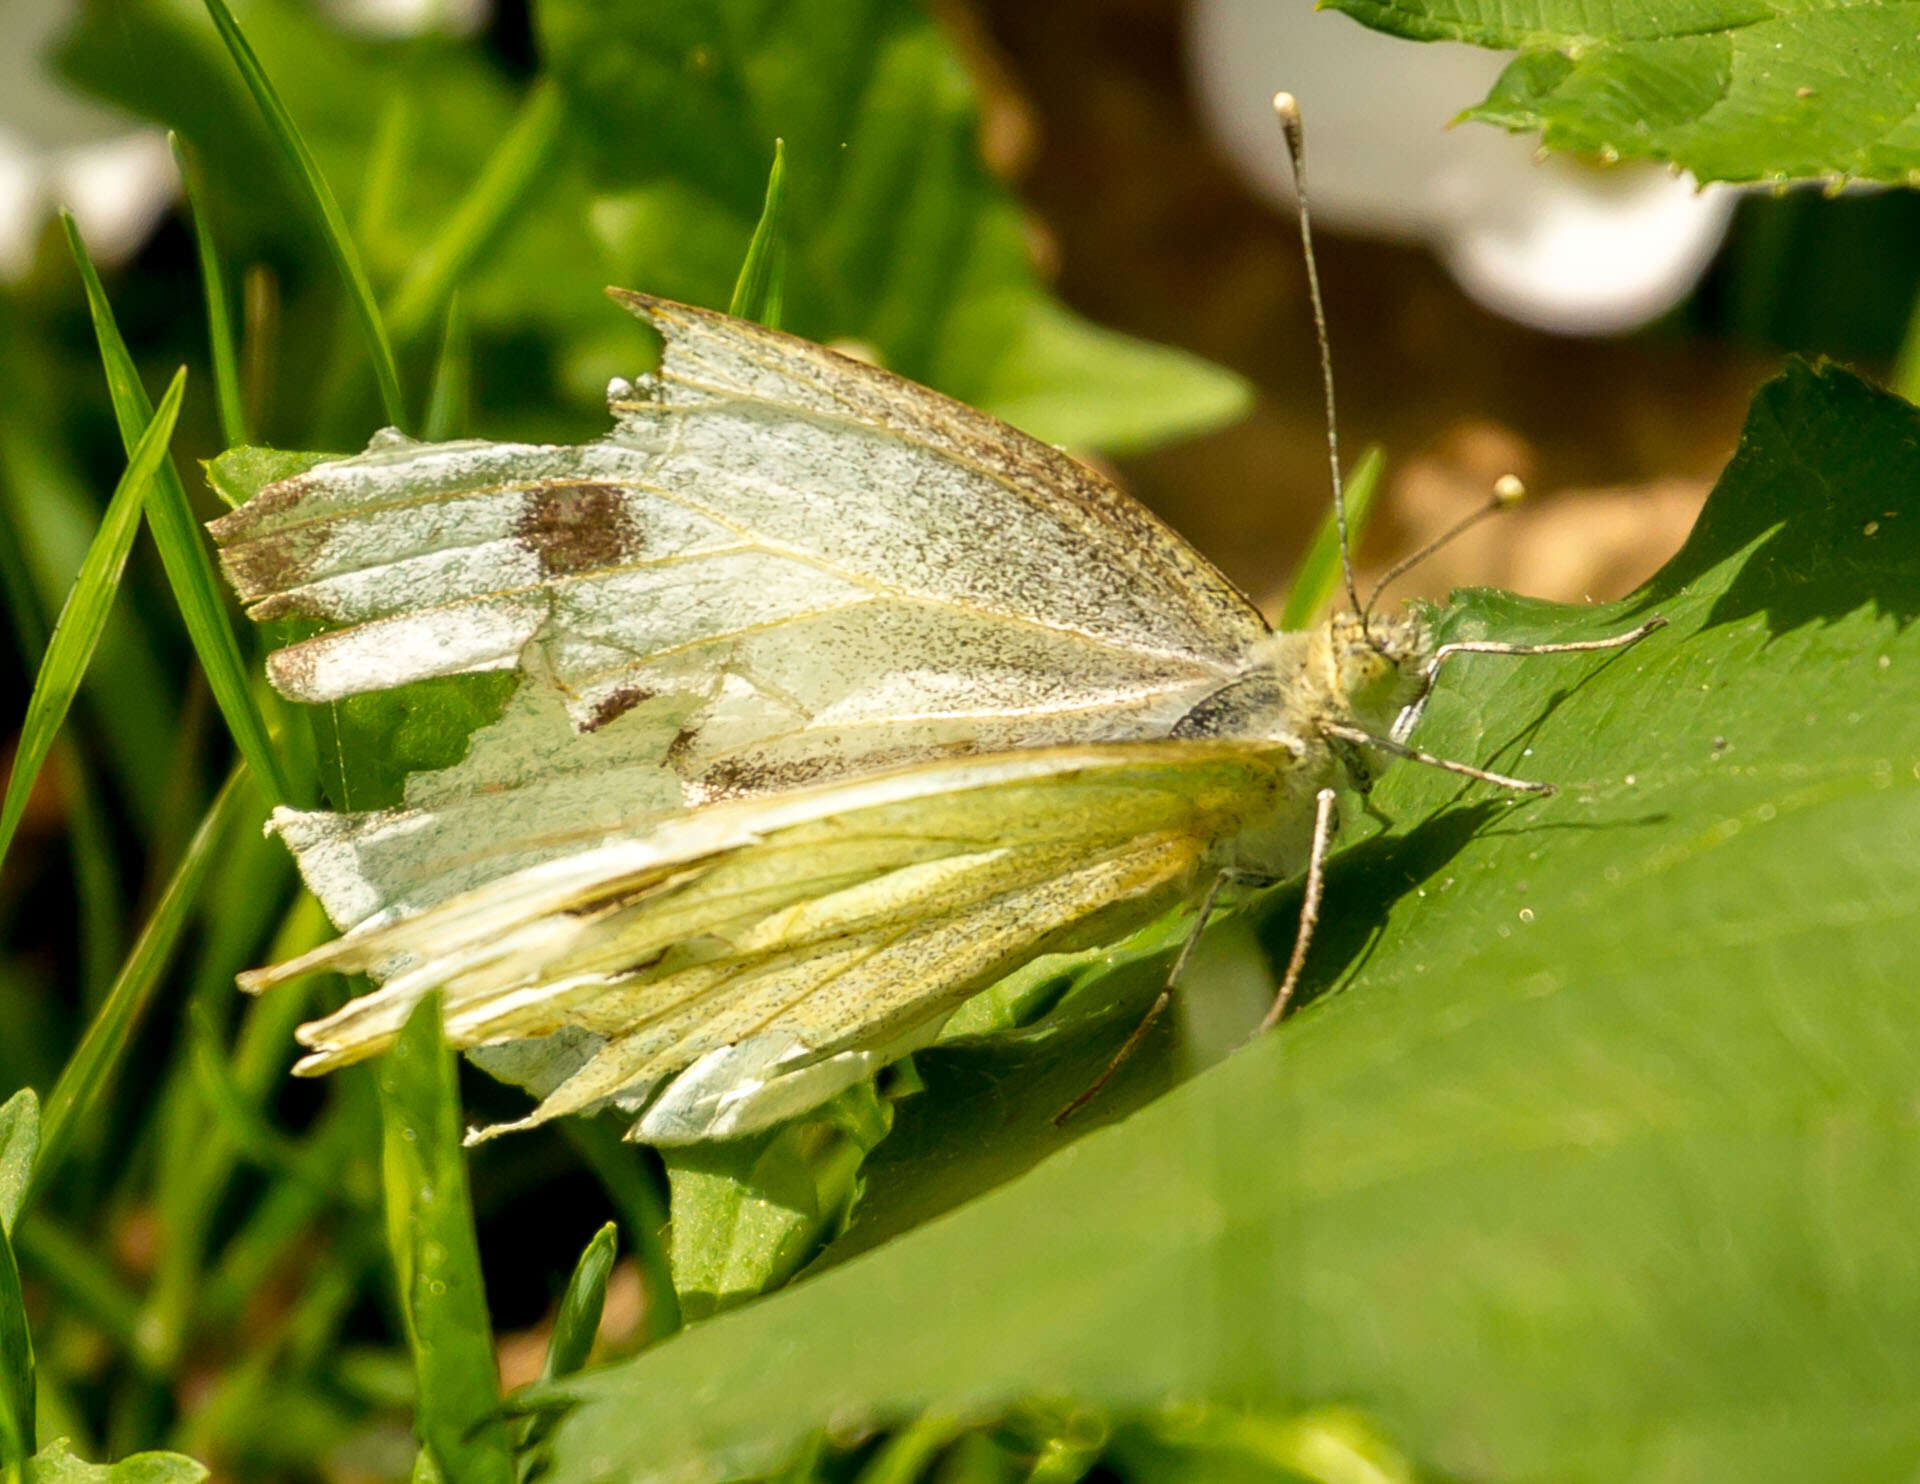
[
  {"x": 436, "y": 1255},
  {"x": 518, "y": 163},
  {"x": 77, "y": 631},
  {"x": 96, "y": 876},
  {"x": 333, "y": 225},
  {"x": 194, "y": 1161},
  {"x": 19, "y": 1138},
  {"x": 96, "y": 879},
  {"x": 1319, "y": 574},
  {"x": 53, "y": 514},
  {"x": 1906, "y": 367},
  {"x": 386, "y": 166},
  {"x": 759, "y": 293},
  {"x": 909, "y": 1453},
  {"x": 259, "y": 334},
  {"x": 110, "y": 1036},
  {"x": 16, "y": 1371},
  {"x": 220, "y": 341},
  {"x": 285, "y": 1217},
  {"x": 452, "y": 377},
  {"x": 182, "y": 551}
]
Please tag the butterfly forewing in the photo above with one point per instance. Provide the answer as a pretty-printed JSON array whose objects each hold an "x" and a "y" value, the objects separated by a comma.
[{"x": 783, "y": 566}]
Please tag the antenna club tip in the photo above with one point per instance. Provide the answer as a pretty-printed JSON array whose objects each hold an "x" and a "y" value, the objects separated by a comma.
[
  {"x": 1508, "y": 491},
  {"x": 1287, "y": 106}
]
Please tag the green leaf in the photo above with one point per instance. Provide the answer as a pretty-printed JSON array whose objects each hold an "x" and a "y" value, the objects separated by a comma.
[
  {"x": 436, "y": 1257},
  {"x": 56, "y": 1464},
  {"x": 77, "y": 631},
  {"x": 577, "y": 1324},
  {"x": 110, "y": 1037},
  {"x": 759, "y": 291},
  {"x": 897, "y": 236},
  {"x": 748, "y": 1213},
  {"x": 1319, "y": 576},
  {"x": 1080, "y": 385},
  {"x": 182, "y": 551},
  {"x": 1727, "y": 90},
  {"x": 298, "y": 159},
  {"x": 1598, "y": 1165},
  {"x": 371, "y": 744},
  {"x": 624, "y": 1172},
  {"x": 239, "y": 474},
  {"x": 220, "y": 342},
  {"x": 19, "y": 1141}
]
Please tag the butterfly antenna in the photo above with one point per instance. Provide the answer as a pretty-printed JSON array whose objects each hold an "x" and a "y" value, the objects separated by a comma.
[
  {"x": 1508, "y": 491},
  {"x": 1288, "y": 110}
]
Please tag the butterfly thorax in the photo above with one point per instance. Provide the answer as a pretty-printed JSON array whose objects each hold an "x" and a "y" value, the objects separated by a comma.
[{"x": 1344, "y": 672}]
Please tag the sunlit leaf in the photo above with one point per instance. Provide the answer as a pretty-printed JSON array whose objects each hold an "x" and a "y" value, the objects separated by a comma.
[
  {"x": 56, "y": 1464},
  {"x": 1726, "y": 90}
]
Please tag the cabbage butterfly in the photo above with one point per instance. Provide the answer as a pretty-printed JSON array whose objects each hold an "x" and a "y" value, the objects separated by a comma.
[{"x": 839, "y": 701}]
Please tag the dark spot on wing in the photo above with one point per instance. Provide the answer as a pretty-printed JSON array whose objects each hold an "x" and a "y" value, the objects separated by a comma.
[
  {"x": 681, "y": 746},
  {"x": 264, "y": 568},
  {"x": 577, "y": 527},
  {"x": 734, "y": 777},
  {"x": 617, "y": 704}
]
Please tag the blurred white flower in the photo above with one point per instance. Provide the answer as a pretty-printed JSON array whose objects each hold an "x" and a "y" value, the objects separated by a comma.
[
  {"x": 1563, "y": 245},
  {"x": 59, "y": 149},
  {"x": 399, "y": 18}
]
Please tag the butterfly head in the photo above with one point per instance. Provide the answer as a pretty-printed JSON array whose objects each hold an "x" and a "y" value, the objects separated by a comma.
[{"x": 1372, "y": 666}]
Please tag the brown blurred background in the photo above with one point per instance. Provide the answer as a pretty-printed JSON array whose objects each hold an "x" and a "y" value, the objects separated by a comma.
[{"x": 1151, "y": 231}]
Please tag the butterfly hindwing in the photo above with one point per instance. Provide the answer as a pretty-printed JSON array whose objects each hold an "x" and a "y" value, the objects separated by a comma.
[{"x": 828, "y": 922}]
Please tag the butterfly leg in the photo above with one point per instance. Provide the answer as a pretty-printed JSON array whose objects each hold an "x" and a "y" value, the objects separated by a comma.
[
  {"x": 1159, "y": 1006},
  {"x": 1325, "y": 817},
  {"x": 1340, "y": 731},
  {"x": 1409, "y": 718}
]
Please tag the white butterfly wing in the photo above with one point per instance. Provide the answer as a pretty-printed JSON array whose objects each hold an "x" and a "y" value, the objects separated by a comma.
[
  {"x": 764, "y": 951},
  {"x": 782, "y": 566}
]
